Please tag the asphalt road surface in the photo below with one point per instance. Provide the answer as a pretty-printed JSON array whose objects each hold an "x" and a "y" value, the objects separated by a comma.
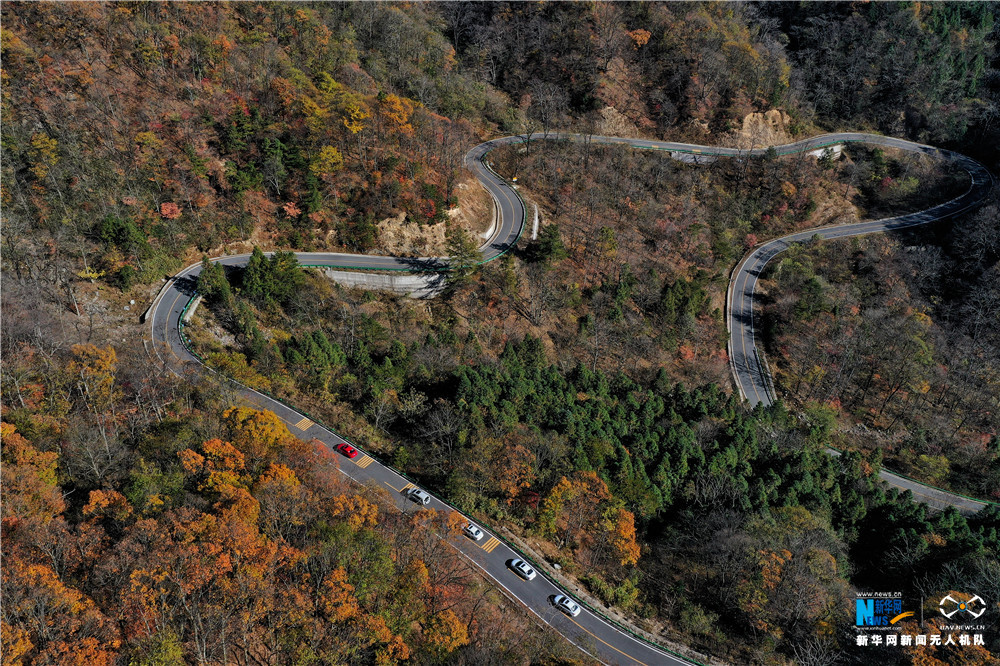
[
  {"x": 589, "y": 631},
  {"x": 750, "y": 371}
]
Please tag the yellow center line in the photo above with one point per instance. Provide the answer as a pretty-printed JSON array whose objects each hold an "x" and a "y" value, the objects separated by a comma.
[
  {"x": 608, "y": 644},
  {"x": 500, "y": 226},
  {"x": 743, "y": 338},
  {"x": 928, "y": 495},
  {"x": 166, "y": 326},
  {"x": 753, "y": 383},
  {"x": 166, "y": 323},
  {"x": 509, "y": 201}
]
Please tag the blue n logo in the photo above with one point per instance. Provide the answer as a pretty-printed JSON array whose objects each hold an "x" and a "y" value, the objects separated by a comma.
[{"x": 865, "y": 611}]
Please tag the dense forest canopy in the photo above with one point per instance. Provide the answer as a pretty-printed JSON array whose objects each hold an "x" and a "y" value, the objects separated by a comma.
[{"x": 575, "y": 392}]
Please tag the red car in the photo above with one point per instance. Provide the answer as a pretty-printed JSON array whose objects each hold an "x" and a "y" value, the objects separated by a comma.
[{"x": 347, "y": 450}]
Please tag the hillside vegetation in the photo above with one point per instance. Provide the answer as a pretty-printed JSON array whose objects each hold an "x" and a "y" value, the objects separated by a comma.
[
  {"x": 575, "y": 392},
  {"x": 904, "y": 341}
]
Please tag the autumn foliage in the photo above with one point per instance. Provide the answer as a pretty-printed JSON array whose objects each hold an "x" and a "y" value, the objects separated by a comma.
[
  {"x": 146, "y": 519},
  {"x": 258, "y": 560},
  {"x": 581, "y": 512},
  {"x": 190, "y": 116}
]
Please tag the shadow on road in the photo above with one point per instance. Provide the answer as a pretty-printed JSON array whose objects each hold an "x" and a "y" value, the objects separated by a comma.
[
  {"x": 186, "y": 285},
  {"x": 424, "y": 264}
]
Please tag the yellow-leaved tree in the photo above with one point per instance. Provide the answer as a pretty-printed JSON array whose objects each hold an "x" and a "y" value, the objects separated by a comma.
[
  {"x": 444, "y": 633},
  {"x": 259, "y": 435}
]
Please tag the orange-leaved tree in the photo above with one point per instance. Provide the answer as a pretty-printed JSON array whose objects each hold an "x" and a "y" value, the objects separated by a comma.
[
  {"x": 581, "y": 512},
  {"x": 52, "y": 622},
  {"x": 31, "y": 491},
  {"x": 443, "y": 634},
  {"x": 220, "y": 465}
]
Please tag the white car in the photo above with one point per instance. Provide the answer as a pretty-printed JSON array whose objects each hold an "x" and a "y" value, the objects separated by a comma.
[
  {"x": 521, "y": 568},
  {"x": 419, "y": 496},
  {"x": 566, "y": 605},
  {"x": 473, "y": 532}
]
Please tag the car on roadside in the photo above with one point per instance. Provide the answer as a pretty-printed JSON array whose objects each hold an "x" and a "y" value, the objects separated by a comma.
[
  {"x": 347, "y": 450},
  {"x": 473, "y": 532},
  {"x": 419, "y": 496},
  {"x": 521, "y": 568},
  {"x": 566, "y": 605}
]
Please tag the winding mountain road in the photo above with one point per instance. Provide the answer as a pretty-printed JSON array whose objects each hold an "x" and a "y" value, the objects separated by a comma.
[
  {"x": 750, "y": 371},
  {"x": 590, "y": 631}
]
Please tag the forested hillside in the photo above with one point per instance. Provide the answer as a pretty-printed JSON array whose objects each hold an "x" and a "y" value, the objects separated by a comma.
[
  {"x": 671, "y": 503},
  {"x": 900, "y": 335},
  {"x": 575, "y": 392},
  {"x": 136, "y": 132},
  {"x": 142, "y": 131}
]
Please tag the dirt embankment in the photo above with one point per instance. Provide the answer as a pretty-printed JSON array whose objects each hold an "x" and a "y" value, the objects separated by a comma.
[
  {"x": 761, "y": 130},
  {"x": 474, "y": 213}
]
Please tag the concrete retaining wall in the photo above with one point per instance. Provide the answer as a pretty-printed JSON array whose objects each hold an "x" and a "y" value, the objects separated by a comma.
[
  {"x": 416, "y": 286},
  {"x": 689, "y": 158},
  {"x": 834, "y": 151},
  {"x": 156, "y": 299},
  {"x": 486, "y": 235},
  {"x": 194, "y": 306}
]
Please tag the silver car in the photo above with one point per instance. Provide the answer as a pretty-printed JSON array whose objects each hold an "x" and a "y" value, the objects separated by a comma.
[
  {"x": 521, "y": 568},
  {"x": 419, "y": 496},
  {"x": 566, "y": 605},
  {"x": 473, "y": 532}
]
